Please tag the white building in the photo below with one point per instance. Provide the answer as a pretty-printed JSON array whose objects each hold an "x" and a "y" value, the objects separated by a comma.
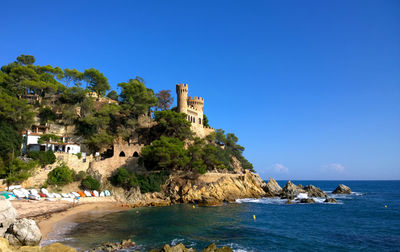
[{"x": 31, "y": 144}]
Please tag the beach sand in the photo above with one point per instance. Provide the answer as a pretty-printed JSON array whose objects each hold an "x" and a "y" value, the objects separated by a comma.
[{"x": 47, "y": 213}]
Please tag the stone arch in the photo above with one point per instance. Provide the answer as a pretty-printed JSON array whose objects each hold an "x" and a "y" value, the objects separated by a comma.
[
  {"x": 135, "y": 154},
  {"x": 122, "y": 154}
]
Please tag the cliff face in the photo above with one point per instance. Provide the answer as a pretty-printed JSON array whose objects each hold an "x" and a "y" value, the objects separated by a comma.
[
  {"x": 213, "y": 188},
  {"x": 206, "y": 189}
]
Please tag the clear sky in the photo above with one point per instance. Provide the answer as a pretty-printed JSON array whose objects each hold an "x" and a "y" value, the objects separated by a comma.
[{"x": 311, "y": 88}]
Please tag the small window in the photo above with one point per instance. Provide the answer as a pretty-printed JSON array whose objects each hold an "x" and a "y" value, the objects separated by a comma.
[
  {"x": 135, "y": 154},
  {"x": 199, "y": 120},
  {"x": 122, "y": 154}
]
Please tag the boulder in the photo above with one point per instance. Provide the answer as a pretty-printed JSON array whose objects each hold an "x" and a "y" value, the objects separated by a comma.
[
  {"x": 114, "y": 246},
  {"x": 24, "y": 232},
  {"x": 314, "y": 191},
  {"x": 177, "y": 248},
  {"x": 330, "y": 200},
  {"x": 8, "y": 216},
  {"x": 213, "y": 248},
  {"x": 342, "y": 189},
  {"x": 307, "y": 200},
  {"x": 272, "y": 188},
  {"x": 290, "y": 191},
  {"x": 210, "y": 202}
]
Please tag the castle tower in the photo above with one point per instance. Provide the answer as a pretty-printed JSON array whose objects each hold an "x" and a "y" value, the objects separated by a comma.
[
  {"x": 196, "y": 102},
  {"x": 182, "y": 92}
]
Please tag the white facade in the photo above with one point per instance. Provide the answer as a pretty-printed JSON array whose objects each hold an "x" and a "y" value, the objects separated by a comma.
[{"x": 31, "y": 144}]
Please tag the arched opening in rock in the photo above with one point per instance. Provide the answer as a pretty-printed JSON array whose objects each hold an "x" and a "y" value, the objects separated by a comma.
[
  {"x": 122, "y": 154},
  {"x": 135, "y": 154}
]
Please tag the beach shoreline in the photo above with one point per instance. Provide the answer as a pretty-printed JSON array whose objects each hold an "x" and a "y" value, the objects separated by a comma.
[{"x": 49, "y": 214}]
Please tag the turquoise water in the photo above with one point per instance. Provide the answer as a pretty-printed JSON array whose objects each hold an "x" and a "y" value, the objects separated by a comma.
[{"x": 360, "y": 222}]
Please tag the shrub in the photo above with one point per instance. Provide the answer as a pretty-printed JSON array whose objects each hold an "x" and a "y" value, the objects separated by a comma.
[
  {"x": 44, "y": 157},
  {"x": 148, "y": 182},
  {"x": 79, "y": 155},
  {"x": 79, "y": 176},
  {"x": 61, "y": 175},
  {"x": 90, "y": 183}
]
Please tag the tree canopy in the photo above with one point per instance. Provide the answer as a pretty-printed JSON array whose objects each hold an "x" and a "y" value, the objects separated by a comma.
[
  {"x": 165, "y": 99},
  {"x": 97, "y": 82}
]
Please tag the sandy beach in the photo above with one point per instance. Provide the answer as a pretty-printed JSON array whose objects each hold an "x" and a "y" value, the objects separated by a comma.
[{"x": 47, "y": 214}]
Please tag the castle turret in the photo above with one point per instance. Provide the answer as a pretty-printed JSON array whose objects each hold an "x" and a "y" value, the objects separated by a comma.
[
  {"x": 196, "y": 102},
  {"x": 182, "y": 92}
]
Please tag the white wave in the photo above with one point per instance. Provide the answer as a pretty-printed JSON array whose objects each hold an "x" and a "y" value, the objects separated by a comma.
[
  {"x": 279, "y": 201},
  {"x": 237, "y": 248},
  {"x": 276, "y": 201},
  {"x": 177, "y": 241}
]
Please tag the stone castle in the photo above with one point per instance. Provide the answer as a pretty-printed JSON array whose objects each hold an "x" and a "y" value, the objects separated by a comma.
[{"x": 193, "y": 108}]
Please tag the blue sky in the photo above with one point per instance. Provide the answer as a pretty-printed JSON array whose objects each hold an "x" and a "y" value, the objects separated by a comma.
[{"x": 311, "y": 88}]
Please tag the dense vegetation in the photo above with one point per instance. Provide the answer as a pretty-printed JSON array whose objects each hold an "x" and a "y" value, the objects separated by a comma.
[
  {"x": 90, "y": 183},
  {"x": 83, "y": 99},
  {"x": 147, "y": 182},
  {"x": 61, "y": 175}
]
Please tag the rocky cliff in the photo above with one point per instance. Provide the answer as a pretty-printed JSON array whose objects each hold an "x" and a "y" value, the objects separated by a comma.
[{"x": 206, "y": 189}]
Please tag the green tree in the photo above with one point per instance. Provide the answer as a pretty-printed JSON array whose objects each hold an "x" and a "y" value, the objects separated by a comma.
[
  {"x": 43, "y": 157},
  {"x": 26, "y": 59},
  {"x": 167, "y": 153},
  {"x": 46, "y": 115},
  {"x": 72, "y": 75},
  {"x": 73, "y": 95},
  {"x": 205, "y": 121},
  {"x": 171, "y": 124},
  {"x": 90, "y": 183},
  {"x": 113, "y": 95},
  {"x": 11, "y": 142},
  {"x": 15, "y": 111},
  {"x": 19, "y": 171},
  {"x": 97, "y": 82},
  {"x": 136, "y": 99},
  {"x": 61, "y": 175},
  {"x": 98, "y": 141}
]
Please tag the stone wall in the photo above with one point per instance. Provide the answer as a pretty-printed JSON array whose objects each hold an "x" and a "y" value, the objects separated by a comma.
[
  {"x": 124, "y": 154},
  {"x": 73, "y": 162}
]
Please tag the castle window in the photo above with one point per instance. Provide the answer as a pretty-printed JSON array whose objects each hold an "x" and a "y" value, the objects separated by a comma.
[
  {"x": 199, "y": 120},
  {"x": 135, "y": 154},
  {"x": 122, "y": 154}
]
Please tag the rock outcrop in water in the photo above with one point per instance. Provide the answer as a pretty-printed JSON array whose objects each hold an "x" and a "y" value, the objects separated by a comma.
[
  {"x": 330, "y": 200},
  {"x": 313, "y": 191},
  {"x": 342, "y": 189},
  {"x": 290, "y": 191},
  {"x": 181, "y": 248},
  {"x": 114, "y": 246},
  {"x": 272, "y": 188}
]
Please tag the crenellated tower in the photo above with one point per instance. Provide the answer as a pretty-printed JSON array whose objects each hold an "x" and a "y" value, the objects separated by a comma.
[
  {"x": 196, "y": 102},
  {"x": 182, "y": 92},
  {"x": 193, "y": 108}
]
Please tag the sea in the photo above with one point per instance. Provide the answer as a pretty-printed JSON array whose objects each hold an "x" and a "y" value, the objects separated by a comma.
[{"x": 366, "y": 220}]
